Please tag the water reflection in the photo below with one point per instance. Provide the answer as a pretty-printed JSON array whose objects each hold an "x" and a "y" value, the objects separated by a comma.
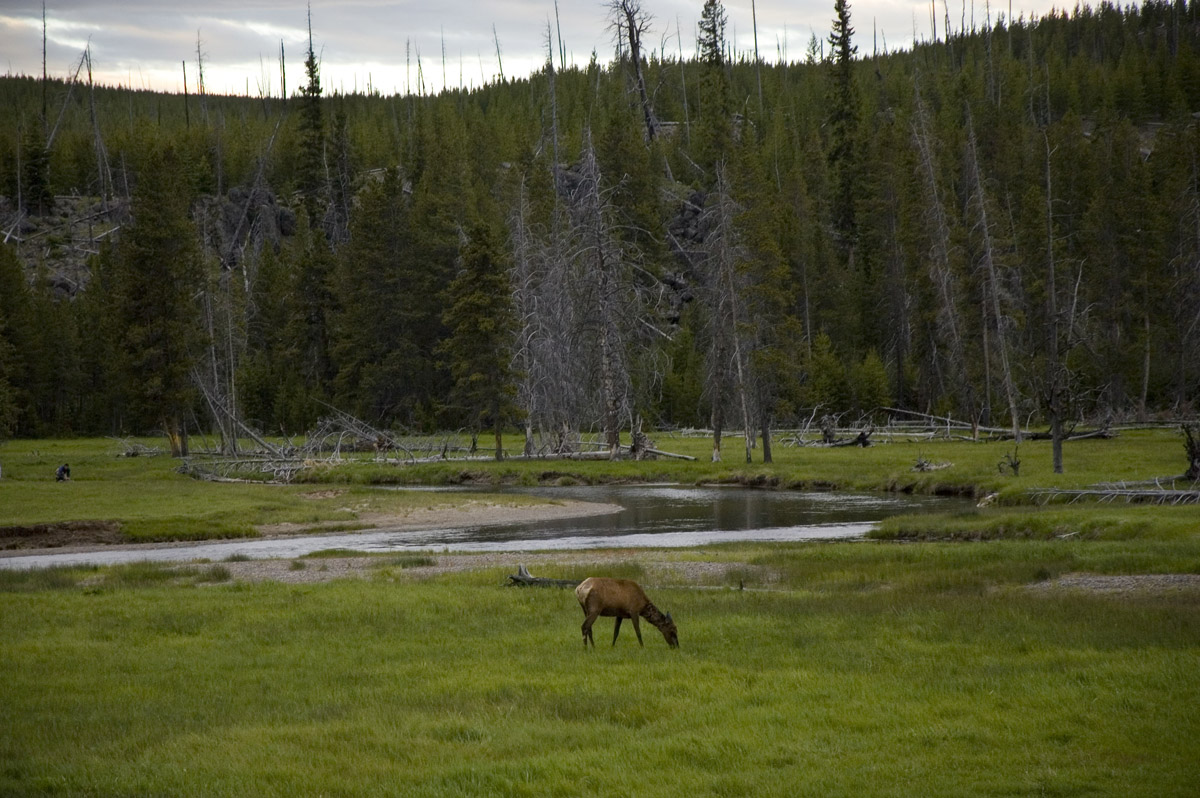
[{"x": 652, "y": 516}]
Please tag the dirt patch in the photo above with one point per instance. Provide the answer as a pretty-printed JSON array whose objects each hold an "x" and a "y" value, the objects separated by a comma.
[
  {"x": 1122, "y": 584},
  {"x": 65, "y": 533},
  {"x": 321, "y": 494}
]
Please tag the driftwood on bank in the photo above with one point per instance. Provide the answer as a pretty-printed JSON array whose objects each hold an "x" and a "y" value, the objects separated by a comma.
[
  {"x": 522, "y": 578},
  {"x": 1128, "y": 495}
]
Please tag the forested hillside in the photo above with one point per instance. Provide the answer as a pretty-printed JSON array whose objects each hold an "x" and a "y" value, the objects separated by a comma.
[{"x": 1002, "y": 225}]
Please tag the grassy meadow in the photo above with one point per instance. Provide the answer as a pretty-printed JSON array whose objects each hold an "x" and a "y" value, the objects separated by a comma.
[
  {"x": 931, "y": 661},
  {"x": 896, "y": 674},
  {"x": 152, "y": 502}
]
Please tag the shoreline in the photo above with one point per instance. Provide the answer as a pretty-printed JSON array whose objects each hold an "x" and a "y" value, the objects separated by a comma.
[{"x": 456, "y": 517}]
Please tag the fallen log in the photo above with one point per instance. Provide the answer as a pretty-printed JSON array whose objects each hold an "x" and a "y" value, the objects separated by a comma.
[
  {"x": 863, "y": 439},
  {"x": 522, "y": 578},
  {"x": 1128, "y": 496},
  {"x": 661, "y": 453}
]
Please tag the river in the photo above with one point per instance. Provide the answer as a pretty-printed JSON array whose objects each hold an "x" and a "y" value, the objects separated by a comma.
[{"x": 673, "y": 516}]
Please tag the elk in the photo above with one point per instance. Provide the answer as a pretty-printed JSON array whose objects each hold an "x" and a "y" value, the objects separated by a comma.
[{"x": 620, "y": 599}]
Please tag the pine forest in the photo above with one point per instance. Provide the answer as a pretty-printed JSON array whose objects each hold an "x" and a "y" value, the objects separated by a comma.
[{"x": 999, "y": 225}]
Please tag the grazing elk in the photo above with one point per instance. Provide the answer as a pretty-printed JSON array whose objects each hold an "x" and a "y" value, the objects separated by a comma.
[{"x": 620, "y": 599}]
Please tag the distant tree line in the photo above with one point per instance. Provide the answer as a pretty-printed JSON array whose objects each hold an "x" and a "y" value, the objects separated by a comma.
[{"x": 1002, "y": 225}]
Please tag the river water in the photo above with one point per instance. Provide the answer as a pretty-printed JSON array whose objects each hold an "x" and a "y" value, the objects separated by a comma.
[{"x": 651, "y": 516}]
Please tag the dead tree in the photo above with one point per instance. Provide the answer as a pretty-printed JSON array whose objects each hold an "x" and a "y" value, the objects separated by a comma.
[
  {"x": 629, "y": 21},
  {"x": 1055, "y": 387},
  {"x": 942, "y": 275},
  {"x": 603, "y": 294},
  {"x": 723, "y": 296},
  {"x": 551, "y": 389},
  {"x": 1191, "y": 446},
  {"x": 104, "y": 174},
  {"x": 989, "y": 261}
]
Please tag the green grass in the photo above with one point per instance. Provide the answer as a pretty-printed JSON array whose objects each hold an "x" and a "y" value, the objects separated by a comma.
[
  {"x": 844, "y": 669},
  {"x": 1132, "y": 455},
  {"x": 152, "y": 502},
  {"x": 1089, "y": 521},
  {"x": 870, "y": 669}
]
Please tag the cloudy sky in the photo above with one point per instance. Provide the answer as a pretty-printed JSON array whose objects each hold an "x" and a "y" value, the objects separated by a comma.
[{"x": 143, "y": 43}]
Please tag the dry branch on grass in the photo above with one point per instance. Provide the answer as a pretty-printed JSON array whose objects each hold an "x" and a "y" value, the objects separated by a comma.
[
  {"x": 1127, "y": 495},
  {"x": 522, "y": 578}
]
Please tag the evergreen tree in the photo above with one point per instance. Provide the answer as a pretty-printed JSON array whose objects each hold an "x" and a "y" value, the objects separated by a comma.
[
  {"x": 307, "y": 329},
  {"x": 843, "y": 120},
  {"x": 828, "y": 386},
  {"x": 36, "y": 197},
  {"x": 771, "y": 332},
  {"x": 382, "y": 372},
  {"x": 158, "y": 274},
  {"x": 313, "y": 180},
  {"x": 8, "y": 398},
  {"x": 52, "y": 360},
  {"x": 481, "y": 323},
  {"x": 14, "y": 332},
  {"x": 715, "y": 127}
]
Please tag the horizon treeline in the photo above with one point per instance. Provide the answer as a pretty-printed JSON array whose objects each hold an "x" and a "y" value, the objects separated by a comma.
[{"x": 1001, "y": 226}]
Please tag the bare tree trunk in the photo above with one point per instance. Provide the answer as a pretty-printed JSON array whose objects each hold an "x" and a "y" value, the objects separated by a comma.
[
  {"x": 1054, "y": 387},
  {"x": 612, "y": 403},
  {"x": 718, "y": 421},
  {"x": 723, "y": 296},
  {"x": 1145, "y": 367},
  {"x": 1191, "y": 446},
  {"x": 605, "y": 295},
  {"x": 766, "y": 437},
  {"x": 553, "y": 103},
  {"x": 992, "y": 283},
  {"x": 628, "y": 16},
  {"x": 941, "y": 271},
  {"x": 176, "y": 435},
  {"x": 687, "y": 122},
  {"x": 757, "y": 60},
  {"x": 103, "y": 172}
]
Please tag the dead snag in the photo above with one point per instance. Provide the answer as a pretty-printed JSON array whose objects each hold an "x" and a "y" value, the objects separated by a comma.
[{"x": 1191, "y": 445}]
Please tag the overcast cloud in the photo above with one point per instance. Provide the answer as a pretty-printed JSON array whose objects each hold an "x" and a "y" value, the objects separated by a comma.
[{"x": 144, "y": 42}]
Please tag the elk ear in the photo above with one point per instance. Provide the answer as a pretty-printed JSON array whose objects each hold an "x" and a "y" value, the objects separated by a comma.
[{"x": 669, "y": 618}]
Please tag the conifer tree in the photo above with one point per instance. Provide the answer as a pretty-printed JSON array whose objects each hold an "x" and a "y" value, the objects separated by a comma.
[
  {"x": 14, "y": 333},
  {"x": 771, "y": 332},
  {"x": 379, "y": 309},
  {"x": 481, "y": 325},
  {"x": 36, "y": 197},
  {"x": 307, "y": 328},
  {"x": 8, "y": 398},
  {"x": 313, "y": 178},
  {"x": 843, "y": 120},
  {"x": 158, "y": 273},
  {"x": 715, "y": 126}
]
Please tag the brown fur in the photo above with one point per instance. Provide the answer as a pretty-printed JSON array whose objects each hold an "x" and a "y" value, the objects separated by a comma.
[{"x": 620, "y": 599}]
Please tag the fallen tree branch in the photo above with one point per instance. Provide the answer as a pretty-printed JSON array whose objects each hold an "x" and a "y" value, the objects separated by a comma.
[
  {"x": 1127, "y": 495},
  {"x": 522, "y": 578}
]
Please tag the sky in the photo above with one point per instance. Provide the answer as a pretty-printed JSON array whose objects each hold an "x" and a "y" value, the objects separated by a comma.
[{"x": 379, "y": 44}]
